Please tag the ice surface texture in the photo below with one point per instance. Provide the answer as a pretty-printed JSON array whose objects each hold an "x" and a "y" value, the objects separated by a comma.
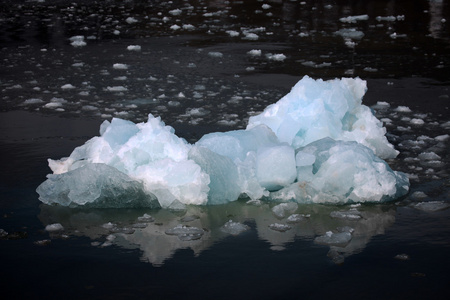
[{"x": 318, "y": 144}]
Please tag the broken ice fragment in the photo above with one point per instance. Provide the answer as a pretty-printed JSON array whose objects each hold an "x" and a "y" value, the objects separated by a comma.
[
  {"x": 279, "y": 227},
  {"x": 54, "y": 227},
  {"x": 234, "y": 228},
  {"x": 432, "y": 206},
  {"x": 146, "y": 218}
]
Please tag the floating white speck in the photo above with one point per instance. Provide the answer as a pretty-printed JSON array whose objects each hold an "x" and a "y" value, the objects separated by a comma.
[
  {"x": 134, "y": 48},
  {"x": 120, "y": 66},
  {"x": 175, "y": 12},
  {"x": 279, "y": 227},
  {"x": 131, "y": 20},
  {"x": 119, "y": 88},
  {"x": 254, "y": 52},
  {"x": 175, "y": 27},
  {"x": 234, "y": 228},
  {"x": 215, "y": 54},
  {"x": 77, "y": 41},
  {"x": 232, "y": 33},
  {"x": 354, "y": 19},
  {"x": 188, "y": 27},
  {"x": 250, "y": 36},
  {"x": 33, "y": 101},
  {"x": 54, "y": 227},
  {"x": 67, "y": 86},
  {"x": 276, "y": 57},
  {"x": 432, "y": 206},
  {"x": 403, "y": 109}
]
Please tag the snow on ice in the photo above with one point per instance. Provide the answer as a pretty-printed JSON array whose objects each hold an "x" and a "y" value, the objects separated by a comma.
[{"x": 318, "y": 144}]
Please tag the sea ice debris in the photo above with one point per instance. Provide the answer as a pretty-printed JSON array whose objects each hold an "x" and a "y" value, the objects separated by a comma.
[
  {"x": 54, "y": 227},
  {"x": 234, "y": 228}
]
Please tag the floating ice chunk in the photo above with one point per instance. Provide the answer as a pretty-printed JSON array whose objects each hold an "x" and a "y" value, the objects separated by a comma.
[
  {"x": 109, "y": 225},
  {"x": 315, "y": 109},
  {"x": 250, "y": 36},
  {"x": 77, "y": 41},
  {"x": 418, "y": 195},
  {"x": 186, "y": 233},
  {"x": 403, "y": 109},
  {"x": 67, "y": 86},
  {"x": 234, "y": 228},
  {"x": 416, "y": 121},
  {"x": 266, "y": 6},
  {"x": 276, "y": 57},
  {"x": 33, "y": 101},
  {"x": 146, "y": 164},
  {"x": 432, "y": 206},
  {"x": 175, "y": 12},
  {"x": 118, "y": 88},
  {"x": 296, "y": 218},
  {"x": 282, "y": 209},
  {"x": 279, "y": 227},
  {"x": 146, "y": 218},
  {"x": 254, "y": 52},
  {"x": 428, "y": 156},
  {"x": 232, "y": 33},
  {"x": 188, "y": 27},
  {"x": 442, "y": 138},
  {"x": 131, "y": 20},
  {"x": 387, "y": 18},
  {"x": 54, "y": 227},
  {"x": 354, "y": 19},
  {"x": 350, "y": 33},
  {"x": 215, "y": 54},
  {"x": 334, "y": 239},
  {"x": 118, "y": 66},
  {"x": 134, "y": 48},
  {"x": 197, "y": 112}
]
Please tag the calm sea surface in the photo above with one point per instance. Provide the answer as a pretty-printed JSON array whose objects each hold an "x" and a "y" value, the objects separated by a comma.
[{"x": 66, "y": 66}]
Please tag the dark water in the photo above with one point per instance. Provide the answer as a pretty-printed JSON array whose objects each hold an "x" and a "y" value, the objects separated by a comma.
[{"x": 401, "y": 48}]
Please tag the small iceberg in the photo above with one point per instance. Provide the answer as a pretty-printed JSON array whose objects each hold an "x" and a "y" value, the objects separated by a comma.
[{"x": 318, "y": 144}]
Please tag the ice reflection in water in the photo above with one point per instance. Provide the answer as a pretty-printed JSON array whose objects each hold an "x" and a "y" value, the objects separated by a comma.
[{"x": 157, "y": 246}]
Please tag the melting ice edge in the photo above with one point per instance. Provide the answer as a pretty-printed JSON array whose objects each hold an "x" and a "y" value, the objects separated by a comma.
[{"x": 317, "y": 144}]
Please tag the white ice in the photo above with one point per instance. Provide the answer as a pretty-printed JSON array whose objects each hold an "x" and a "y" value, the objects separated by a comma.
[{"x": 318, "y": 144}]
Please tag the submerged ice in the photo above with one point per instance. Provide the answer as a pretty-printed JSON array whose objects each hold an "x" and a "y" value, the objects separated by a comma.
[{"x": 318, "y": 144}]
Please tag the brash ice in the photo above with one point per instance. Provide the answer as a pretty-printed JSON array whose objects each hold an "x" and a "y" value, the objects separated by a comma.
[{"x": 318, "y": 144}]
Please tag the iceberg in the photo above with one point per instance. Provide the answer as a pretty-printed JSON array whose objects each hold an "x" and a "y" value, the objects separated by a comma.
[{"x": 318, "y": 144}]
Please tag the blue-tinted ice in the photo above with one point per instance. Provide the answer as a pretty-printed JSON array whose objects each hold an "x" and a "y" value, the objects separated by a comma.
[{"x": 318, "y": 144}]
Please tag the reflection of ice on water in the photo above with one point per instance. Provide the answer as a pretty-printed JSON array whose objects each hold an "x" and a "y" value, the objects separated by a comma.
[{"x": 132, "y": 229}]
